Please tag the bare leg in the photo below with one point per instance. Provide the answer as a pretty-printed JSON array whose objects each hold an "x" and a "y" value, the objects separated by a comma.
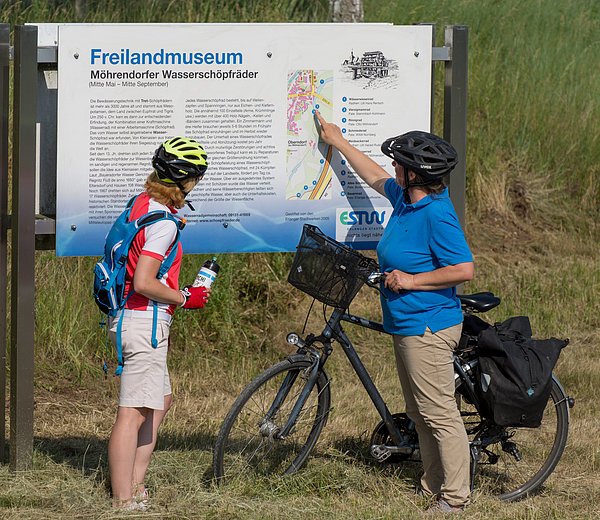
[
  {"x": 122, "y": 451},
  {"x": 146, "y": 441}
]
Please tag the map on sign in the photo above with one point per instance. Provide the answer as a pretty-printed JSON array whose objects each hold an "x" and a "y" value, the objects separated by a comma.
[{"x": 308, "y": 161}]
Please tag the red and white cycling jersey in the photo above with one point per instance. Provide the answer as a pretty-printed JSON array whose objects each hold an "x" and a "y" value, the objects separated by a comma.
[{"x": 156, "y": 241}]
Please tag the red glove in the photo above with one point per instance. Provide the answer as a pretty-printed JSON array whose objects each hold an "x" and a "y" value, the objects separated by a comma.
[{"x": 195, "y": 297}]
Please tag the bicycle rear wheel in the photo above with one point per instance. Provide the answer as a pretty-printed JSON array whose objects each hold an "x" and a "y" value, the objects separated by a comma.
[
  {"x": 248, "y": 444},
  {"x": 515, "y": 462}
]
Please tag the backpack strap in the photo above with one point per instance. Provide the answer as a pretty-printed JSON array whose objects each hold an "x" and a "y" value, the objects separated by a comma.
[
  {"x": 119, "y": 342},
  {"x": 165, "y": 266},
  {"x": 119, "y": 346},
  {"x": 129, "y": 206},
  {"x": 153, "y": 340},
  {"x": 168, "y": 261},
  {"x": 156, "y": 216}
]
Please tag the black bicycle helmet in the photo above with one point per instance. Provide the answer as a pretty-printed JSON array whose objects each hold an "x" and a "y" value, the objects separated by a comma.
[
  {"x": 178, "y": 159},
  {"x": 426, "y": 154}
]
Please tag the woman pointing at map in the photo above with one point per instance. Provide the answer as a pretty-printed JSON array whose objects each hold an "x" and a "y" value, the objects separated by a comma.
[{"x": 424, "y": 255}]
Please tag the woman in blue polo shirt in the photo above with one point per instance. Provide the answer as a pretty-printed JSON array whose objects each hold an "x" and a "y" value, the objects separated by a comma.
[{"x": 424, "y": 254}]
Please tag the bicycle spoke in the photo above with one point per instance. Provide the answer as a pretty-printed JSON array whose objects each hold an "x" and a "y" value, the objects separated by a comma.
[
  {"x": 539, "y": 449},
  {"x": 250, "y": 444}
]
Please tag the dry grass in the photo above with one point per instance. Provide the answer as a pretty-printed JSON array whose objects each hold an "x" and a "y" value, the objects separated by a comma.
[
  {"x": 73, "y": 420},
  {"x": 538, "y": 269},
  {"x": 69, "y": 479}
]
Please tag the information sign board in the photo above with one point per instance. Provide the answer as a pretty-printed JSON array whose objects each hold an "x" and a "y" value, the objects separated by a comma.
[{"x": 247, "y": 92}]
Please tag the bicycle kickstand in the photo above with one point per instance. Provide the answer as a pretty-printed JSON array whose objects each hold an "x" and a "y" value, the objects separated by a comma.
[{"x": 475, "y": 456}]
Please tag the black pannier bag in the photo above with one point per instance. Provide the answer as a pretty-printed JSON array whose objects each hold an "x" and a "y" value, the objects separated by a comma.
[{"x": 514, "y": 376}]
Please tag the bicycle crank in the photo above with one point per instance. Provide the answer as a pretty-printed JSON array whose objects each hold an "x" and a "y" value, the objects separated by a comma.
[
  {"x": 381, "y": 452},
  {"x": 383, "y": 448}
]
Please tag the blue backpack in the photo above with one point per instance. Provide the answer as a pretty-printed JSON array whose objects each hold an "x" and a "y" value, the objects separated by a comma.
[{"x": 110, "y": 271}]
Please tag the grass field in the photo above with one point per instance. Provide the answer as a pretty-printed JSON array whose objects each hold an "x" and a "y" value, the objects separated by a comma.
[{"x": 533, "y": 193}]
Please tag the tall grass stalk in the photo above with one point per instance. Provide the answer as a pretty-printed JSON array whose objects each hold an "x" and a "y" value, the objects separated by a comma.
[
  {"x": 164, "y": 11},
  {"x": 533, "y": 87}
]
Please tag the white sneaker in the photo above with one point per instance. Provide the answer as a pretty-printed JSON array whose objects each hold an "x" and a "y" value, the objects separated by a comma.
[
  {"x": 132, "y": 505},
  {"x": 142, "y": 498}
]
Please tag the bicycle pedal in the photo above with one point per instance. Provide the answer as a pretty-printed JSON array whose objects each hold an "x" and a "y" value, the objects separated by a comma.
[
  {"x": 492, "y": 458},
  {"x": 380, "y": 453}
]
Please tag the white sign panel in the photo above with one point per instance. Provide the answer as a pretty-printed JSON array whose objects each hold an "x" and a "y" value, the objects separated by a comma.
[{"x": 248, "y": 94}]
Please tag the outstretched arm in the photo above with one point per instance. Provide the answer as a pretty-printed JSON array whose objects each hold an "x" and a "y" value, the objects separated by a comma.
[{"x": 366, "y": 168}]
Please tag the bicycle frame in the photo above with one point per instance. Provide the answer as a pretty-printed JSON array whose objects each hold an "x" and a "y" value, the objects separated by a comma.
[
  {"x": 333, "y": 330},
  {"x": 275, "y": 426}
]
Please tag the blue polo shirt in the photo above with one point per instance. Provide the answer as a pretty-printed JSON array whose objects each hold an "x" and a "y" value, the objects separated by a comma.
[{"x": 418, "y": 238}]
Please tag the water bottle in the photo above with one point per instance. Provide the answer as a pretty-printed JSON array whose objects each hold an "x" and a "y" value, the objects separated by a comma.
[{"x": 207, "y": 274}]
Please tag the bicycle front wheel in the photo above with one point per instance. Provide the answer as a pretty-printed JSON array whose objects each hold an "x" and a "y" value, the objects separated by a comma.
[
  {"x": 515, "y": 462},
  {"x": 249, "y": 443}
]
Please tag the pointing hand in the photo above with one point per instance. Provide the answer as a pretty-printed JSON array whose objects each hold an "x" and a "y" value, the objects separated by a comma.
[{"x": 330, "y": 133}]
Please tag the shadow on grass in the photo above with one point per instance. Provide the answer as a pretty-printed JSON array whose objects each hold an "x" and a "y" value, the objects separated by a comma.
[
  {"x": 198, "y": 441},
  {"x": 489, "y": 479},
  {"x": 357, "y": 449},
  {"x": 85, "y": 454},
  {"x": 89, "y": 454},
  {"x": 195, "y": 442}
]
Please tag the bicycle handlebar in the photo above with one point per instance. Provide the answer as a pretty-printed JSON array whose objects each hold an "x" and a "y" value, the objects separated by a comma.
[{"x": 375, "y": 278}]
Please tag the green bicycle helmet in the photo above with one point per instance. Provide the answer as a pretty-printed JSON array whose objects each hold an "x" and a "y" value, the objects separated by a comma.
[{"x": 179, "y": 158}]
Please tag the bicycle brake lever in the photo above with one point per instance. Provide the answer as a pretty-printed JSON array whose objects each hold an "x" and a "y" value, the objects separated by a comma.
[{"x": 374, "y": 280}]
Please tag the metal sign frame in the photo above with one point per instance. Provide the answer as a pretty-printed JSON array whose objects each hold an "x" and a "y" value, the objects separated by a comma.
[
  {"x": 4, "y": 225},
  {"x": 31, "y": 232}
]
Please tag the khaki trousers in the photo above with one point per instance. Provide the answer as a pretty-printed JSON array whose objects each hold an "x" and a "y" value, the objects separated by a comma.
[{"x": 426, "y": 374}]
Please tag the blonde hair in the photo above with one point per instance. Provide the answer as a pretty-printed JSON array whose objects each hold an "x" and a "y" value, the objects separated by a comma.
[{"x": 168, "y": 194}]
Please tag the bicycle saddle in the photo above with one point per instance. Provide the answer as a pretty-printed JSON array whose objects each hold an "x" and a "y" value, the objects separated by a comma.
[{"x": 480, "y": 302}]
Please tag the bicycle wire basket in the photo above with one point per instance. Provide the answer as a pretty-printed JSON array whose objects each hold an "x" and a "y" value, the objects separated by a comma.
[{"x": 331, "y": 272}]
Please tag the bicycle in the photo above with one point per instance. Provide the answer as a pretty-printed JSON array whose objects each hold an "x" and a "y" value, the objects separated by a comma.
[{"x": 274, "y": 424}]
